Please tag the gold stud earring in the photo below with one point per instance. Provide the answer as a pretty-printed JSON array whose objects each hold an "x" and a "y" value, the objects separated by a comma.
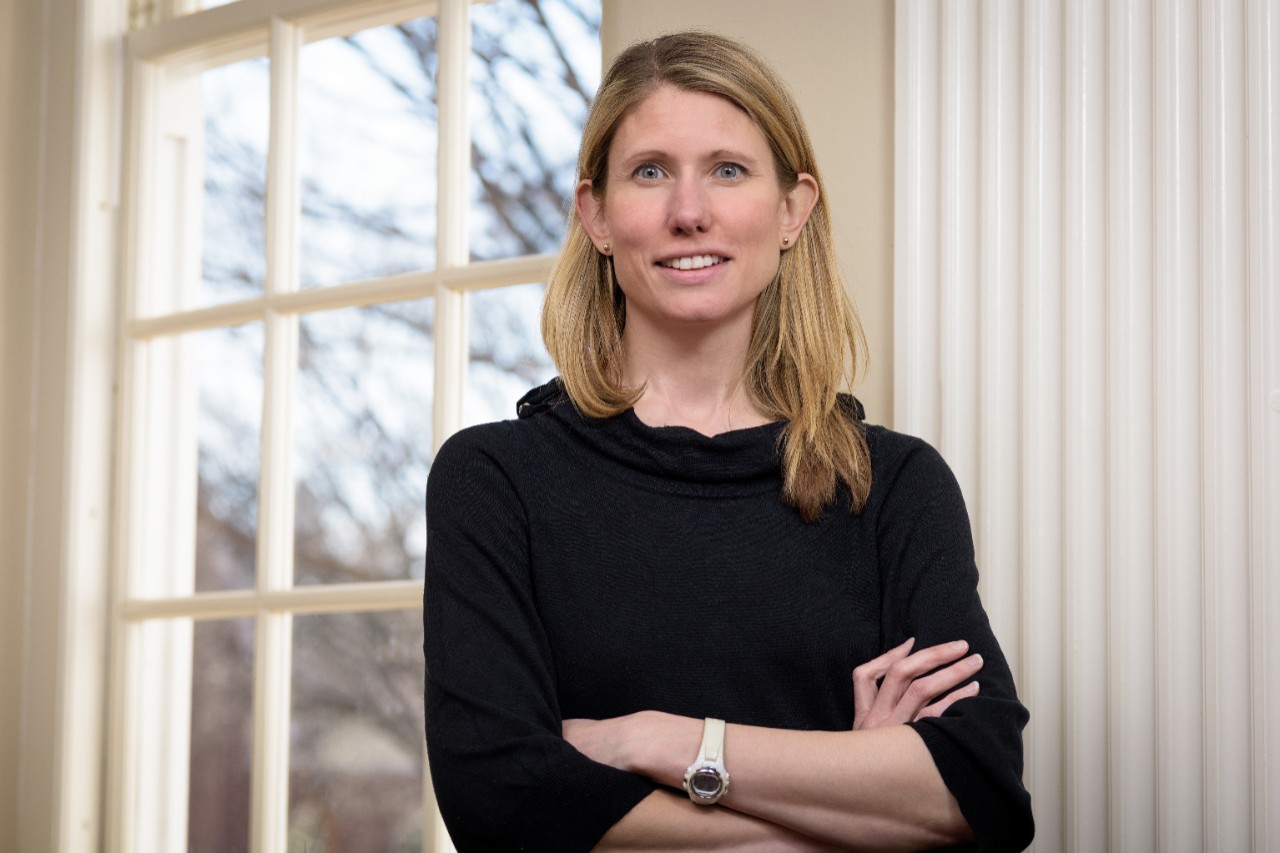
[
  {"x": 786, "y": 240},
  {"x": 605, "y": 248}
]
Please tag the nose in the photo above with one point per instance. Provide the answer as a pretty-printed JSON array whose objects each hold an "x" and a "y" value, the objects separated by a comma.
[{"x": 690, "y": 211}]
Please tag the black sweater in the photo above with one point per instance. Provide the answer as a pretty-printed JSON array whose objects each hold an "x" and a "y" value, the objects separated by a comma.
[{"x": 591, "y": 568}]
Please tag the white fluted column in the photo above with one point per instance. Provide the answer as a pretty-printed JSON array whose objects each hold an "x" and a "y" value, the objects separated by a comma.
[{"x": 1087, "y": 324}]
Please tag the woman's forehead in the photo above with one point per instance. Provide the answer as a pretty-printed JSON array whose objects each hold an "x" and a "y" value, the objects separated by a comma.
[{"x": 688, "y": 120}]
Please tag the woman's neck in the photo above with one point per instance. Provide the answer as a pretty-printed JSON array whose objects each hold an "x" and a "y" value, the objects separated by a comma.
[{"x": 696, "y": 381}]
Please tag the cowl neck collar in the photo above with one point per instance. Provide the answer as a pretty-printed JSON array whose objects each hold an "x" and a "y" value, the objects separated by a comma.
[{"x": 742, "y": 456}]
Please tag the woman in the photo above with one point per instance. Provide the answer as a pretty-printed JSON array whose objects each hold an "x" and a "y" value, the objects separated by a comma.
[{"x": 690, "y": 563}]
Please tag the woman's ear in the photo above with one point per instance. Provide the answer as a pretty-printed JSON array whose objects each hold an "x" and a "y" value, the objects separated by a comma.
[
  {"x": 591, "y": 214},
  {"x": 796, "y": 207}
]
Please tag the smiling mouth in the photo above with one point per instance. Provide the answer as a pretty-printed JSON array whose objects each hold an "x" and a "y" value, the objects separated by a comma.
[{"x": 693, "y": 262}]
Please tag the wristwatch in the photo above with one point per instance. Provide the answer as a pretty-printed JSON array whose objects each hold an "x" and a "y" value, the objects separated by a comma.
[{"x": 706, "y": 780}]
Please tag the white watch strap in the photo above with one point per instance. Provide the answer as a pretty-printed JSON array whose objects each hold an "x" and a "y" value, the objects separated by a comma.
[
  {"x": 707, "y": 780},
  {"x": 712, "y": 739}
]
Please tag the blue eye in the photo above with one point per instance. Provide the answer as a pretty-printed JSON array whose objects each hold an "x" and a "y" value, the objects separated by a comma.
[
  {"x": 648, "y": 172},
  {"x": 729, "y": 171}
]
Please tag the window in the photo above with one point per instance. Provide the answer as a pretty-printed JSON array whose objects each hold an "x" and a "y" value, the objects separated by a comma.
[{"x": 337, "y": 224}]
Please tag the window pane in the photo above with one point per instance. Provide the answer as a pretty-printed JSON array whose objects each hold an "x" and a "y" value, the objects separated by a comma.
[
  {"x": 363, "y": 430},
  {"x": 507, "y": 356},
  {"x": 236, "y": 123},
  {"x": 367, "y": 159},
  {"x": 221, "y": 737},
  {"x": 356, "y": 773},
  {"x": 229, "y": 362},
  {"x": 196, "y": 451},
  {"x": 535, "y": 67}
]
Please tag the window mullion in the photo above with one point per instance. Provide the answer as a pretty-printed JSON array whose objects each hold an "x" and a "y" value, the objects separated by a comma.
[
  {"x": 276, "y": 514},
  {"x": 454, "y": 172},
  {"x": 452, "y": 251}
]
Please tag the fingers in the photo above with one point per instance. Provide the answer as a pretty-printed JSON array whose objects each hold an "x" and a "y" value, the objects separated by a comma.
[
  {"x": 924, "y": 689},
  {"x": 902, "y": 676},
  {"x": 910, "y": 682},
  {"x": 866, "y": 679},
  {"x": 936, "y": 709}
]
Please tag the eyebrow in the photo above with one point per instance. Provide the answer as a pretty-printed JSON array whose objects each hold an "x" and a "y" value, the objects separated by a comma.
[
  {"x": 730, "y": 154},
  {"x": 659, "y": 154}
]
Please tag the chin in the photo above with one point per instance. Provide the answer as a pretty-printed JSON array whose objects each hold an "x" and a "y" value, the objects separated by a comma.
[{"x": 709, "y": 319}]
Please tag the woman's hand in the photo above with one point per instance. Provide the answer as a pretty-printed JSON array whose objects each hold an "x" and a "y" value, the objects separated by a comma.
[
  {"x": 600, "y": 740},
  {"x": 910, "y": 684},
  {"x": 636, "y": 742}
]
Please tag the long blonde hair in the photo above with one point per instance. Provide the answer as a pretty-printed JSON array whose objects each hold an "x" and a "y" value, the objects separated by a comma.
[{"x": 806, "y": 344}]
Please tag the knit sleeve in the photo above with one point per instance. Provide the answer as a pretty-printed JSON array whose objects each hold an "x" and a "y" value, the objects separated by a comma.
[
  {"x": 931, "y": 593},
  {"x": 504, "y": 777}
]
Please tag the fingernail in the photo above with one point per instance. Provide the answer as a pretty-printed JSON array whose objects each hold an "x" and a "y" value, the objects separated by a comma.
[
  {"x": 959, "y": 646},
  {"x": 975, "y": 661}
]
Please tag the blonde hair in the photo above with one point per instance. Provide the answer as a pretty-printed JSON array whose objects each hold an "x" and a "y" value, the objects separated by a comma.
[{"x": 807, "y": 343}]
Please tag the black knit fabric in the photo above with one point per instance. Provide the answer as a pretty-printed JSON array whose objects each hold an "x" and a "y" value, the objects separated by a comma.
[{"x": 591, "y": 568}]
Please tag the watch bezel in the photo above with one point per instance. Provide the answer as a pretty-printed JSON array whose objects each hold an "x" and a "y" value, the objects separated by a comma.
[{"x": 707, "y": 770}]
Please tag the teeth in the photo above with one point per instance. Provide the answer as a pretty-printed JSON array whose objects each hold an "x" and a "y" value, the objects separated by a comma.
[{"x": 694, "y": 262}]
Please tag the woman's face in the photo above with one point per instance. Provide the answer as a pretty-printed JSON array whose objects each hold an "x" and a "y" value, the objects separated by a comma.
[{"x": 693, "y": 213}]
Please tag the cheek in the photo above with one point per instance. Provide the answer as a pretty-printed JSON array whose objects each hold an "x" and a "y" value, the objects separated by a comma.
[
  {"x": 634, "y": 227},
  {"x": 628, "y": 216},
  {"x": 760, "y": 219}
]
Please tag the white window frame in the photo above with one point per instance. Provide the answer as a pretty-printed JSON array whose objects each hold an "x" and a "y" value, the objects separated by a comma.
[{"x": 149, "y": 716}]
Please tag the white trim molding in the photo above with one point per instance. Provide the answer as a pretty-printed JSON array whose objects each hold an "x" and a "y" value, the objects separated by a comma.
[
  {"x": 1087, "y": 325},
  {"x": 69, "y": 434}
]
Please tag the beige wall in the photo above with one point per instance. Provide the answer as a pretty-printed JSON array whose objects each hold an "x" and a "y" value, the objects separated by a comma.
[
  {"x": 837, "y": 55},
  {"x": 20, "y": 62}
]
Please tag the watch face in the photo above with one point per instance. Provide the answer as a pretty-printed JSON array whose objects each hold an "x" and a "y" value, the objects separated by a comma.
[{"x": 705, "y": 782}]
